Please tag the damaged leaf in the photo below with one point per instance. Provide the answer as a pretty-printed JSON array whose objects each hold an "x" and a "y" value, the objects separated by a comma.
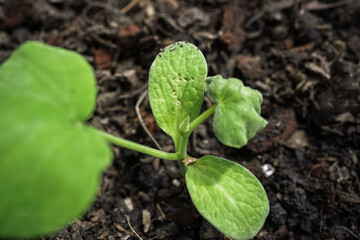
[{"x": 237, "y": 115}]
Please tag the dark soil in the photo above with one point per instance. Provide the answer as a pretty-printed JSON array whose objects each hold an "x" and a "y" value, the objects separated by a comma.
[{"x": 302, "y": 55}]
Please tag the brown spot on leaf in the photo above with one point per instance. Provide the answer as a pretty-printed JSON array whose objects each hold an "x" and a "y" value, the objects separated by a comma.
[{"x": 176, "y": 80}]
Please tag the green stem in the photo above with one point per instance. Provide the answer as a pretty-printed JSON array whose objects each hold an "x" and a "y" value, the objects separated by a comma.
[
  {"x": 201, "y": 118},
  {"x": 140, "y": 148},
  {"x": 184, "y": 137},
  {"x": 182, "y": 151},
  {"x": 183, "y": 168}
]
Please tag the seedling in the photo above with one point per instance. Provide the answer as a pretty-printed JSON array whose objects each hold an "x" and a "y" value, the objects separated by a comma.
[{"x": 51, "y": 160}]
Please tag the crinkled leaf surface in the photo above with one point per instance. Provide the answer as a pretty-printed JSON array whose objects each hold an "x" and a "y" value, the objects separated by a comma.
[
  {"x": 228, "y": 196},
  {"x": 176, "y": 86},
  {"x": 50, "y": 160},
  {"x": 237, "y": 116}
]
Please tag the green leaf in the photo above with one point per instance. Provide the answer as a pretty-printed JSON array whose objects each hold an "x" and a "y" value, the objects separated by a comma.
[
  {"x": 176, "y": 86},
  {"x": 228, "y": 196},
  {"x": 237, "y": 115},
  {"x": 50, "y": 160},
  {"x": 184, "y": 126}
]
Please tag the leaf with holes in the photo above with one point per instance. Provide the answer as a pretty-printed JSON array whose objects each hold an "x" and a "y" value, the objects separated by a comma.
[
  {"x": 228, "y": 195},
  {"x": 176, "y": 86},
  {"x": 237, "y": 115},
  {"x": 50, "y": 160}
]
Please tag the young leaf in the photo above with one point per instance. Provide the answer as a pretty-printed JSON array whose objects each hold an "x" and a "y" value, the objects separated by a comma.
[
  {"x": 237, "y": 116},
  {"x": 176, "y": 86},
  {"x": 50, "y": 160},
  {"x": 228, "y": 196},
  {"x": 184, "y": 126}
]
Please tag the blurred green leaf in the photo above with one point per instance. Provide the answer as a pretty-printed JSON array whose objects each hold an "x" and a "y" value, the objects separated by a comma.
[{"x": 50, "y": 160}]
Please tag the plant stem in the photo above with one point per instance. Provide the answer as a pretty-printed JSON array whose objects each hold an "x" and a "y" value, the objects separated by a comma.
[
  {"x": 181, "y": 151},
  {"x": 140, "y": 148},
  {"x": 184, "y": 137},
  {"x": 183, "y": 168},
  {"x": 197, "y": 121}
]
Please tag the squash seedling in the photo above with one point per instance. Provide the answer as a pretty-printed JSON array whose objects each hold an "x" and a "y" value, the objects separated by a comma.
[{"x": 51, "y": 160}]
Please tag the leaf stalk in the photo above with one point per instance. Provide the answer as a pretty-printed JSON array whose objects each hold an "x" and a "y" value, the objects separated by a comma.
[
  {"x": 181, "y": 152},
  {"x": 197, "y": 121},
  {"x": 139, "y": 147}
]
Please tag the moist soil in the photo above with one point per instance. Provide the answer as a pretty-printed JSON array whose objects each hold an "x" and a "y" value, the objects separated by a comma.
[{"x": 302, "y": 55}]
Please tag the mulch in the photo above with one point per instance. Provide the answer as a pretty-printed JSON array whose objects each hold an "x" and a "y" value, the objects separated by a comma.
[{"x": 302, "y": 55}]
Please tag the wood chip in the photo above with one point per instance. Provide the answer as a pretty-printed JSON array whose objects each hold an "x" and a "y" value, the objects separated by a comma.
[
  {"x": 317, "y": 6},
  {"x": 128, "y": 203},
  {"x": 121, "y": 229},
  {"x": 161, "y": 212},
  {"x": 176, "y": 182},
  {"x": 103, "y": 58},
  {"x": 232, "y": 24},
  {"x": 297, "y": 140},
  {"x": 146, "y": 220},
  {"x": 250, "y": 66},
  {"x": 282, "y": 124},
  {"x": 317, "y": 69},
  {"x": 128, "y": 36}
]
